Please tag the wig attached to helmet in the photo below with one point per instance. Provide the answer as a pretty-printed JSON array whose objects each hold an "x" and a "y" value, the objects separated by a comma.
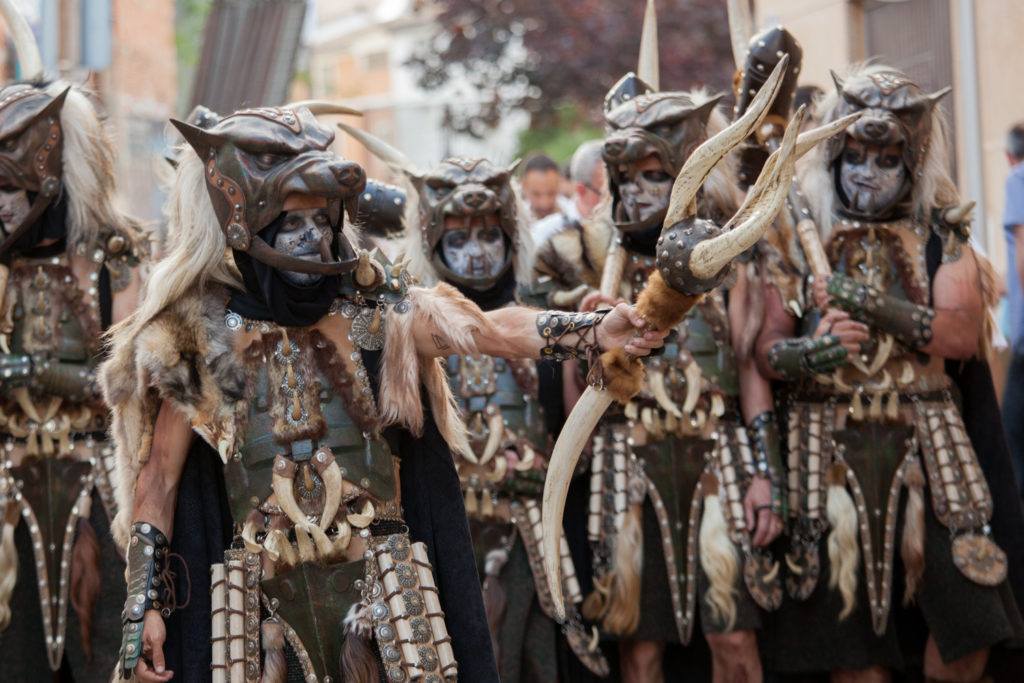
[
  {"x": 897, "y": 112},
  {"x": 254, "y": 160},
  {"x": 642, "y": 123}
]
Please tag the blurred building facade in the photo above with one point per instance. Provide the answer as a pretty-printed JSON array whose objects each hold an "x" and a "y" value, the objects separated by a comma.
[
  {"x": 356, "y": 53},
  {"x": 975, "y": 46},
  {"x": 124, "y": 52}
]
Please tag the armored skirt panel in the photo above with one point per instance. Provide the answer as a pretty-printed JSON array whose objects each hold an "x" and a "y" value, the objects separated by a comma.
[
  {"x": 55, "y": 474},
  {"x": 313, "y": 490},
  {"x": 668, "y": 477},
  {"x": 502, "y": 481}
]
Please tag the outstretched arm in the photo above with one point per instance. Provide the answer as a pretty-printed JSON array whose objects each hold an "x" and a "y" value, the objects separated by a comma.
[
  {"x": 520, "y": 332},
  {"x": 156, "y": 496}
]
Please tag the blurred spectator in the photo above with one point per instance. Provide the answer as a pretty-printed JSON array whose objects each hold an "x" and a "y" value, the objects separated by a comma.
[
  {"x": 586, "y": 171},
  {"x": 1013, "y": 227},
  {"x": 540, "y": 183}
]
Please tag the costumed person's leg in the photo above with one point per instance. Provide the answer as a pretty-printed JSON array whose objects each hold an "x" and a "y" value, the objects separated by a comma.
[
  {"x": 1013, "y": 415},
  {"x": 873, "y": 674},
  {"x": 433, "y": 508},
  {"x": 735, "y": 657},
  {"x": 640, "y": 661},
  {"x": 966, "y": 669}
]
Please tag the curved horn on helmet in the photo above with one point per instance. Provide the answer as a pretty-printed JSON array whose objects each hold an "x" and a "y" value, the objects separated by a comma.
[
  {"x": 700, "y": 164},
  {"x": 647, "y": 67},
  {"x": 741, "y": 29},
  {"x": 765, "y": 198},
  {"x": 381, "y": 149},
  {"x": 24, "y": 41},
  {"x": 319, "y": 107}
]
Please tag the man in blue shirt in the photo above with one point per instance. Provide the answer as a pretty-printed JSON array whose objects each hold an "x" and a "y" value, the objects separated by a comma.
[{"x": 1013, "y": 226}]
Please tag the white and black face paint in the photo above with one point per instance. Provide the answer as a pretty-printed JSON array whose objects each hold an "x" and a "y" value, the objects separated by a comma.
[
  {"x": 14, "y": 206},
  {"x": 872, "y": 178},
  {"x": 475, "y": 252},
  {"x": 305, "y": 234},
  {"x": 647, "y": 193}
]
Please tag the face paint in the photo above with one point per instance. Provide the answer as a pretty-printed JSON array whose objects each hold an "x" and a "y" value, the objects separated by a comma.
[
  {"x": 14, "y": 206},
  {"x": 646, "y": 191},
  {"x": 872, "y": 178},
  {"x": 305, "y": 234},
  {"x": 478, "y": 251}
]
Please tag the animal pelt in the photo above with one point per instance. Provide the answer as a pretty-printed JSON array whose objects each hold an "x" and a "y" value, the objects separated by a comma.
[
  {"x": 185, "y": 356},
  {"x": 576, "y": 254},
  {"x": 444, "y": 309}
]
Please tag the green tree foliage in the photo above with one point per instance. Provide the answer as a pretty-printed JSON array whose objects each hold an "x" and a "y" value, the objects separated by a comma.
[{"x": 540, "y": 54}]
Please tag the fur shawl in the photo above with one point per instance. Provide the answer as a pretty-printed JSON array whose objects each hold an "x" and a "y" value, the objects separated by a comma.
[{"x": 186, "y": 355}]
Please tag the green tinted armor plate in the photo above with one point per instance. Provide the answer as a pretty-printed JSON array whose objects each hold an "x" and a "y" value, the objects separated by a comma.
[
  {"x": 313, "y": 599},
  {"x": 714, "y": 356},
  {"x": 520, "y": 412},
  {"x": 364, "y": 461}
]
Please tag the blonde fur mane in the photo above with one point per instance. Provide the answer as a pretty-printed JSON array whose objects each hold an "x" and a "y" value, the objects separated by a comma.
[{"x": 88, "y": 172}]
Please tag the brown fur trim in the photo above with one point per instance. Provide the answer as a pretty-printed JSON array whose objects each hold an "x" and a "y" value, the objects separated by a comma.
[
  {"x": 623, "y": 376},
  {"x": 185, "y": 355},
  {"x": 989, "y": 282},
  {"x": 342, "y": 383},
  {"x": 444, "y": 309},
  {"x": 85, "y": 580},
  {"x": 358, "y": 661},
  {"x": 663, "y": 307},
  {"x": 275, "y": 668}
]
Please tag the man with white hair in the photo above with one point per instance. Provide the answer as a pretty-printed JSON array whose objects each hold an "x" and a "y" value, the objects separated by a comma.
[{"x": 586, "y": 171}]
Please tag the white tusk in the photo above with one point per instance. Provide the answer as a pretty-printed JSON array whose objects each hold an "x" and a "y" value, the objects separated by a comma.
[
  {"x": 907, "y": 373},
  {"x": 762, "y": 203},
  {"x": 361, "y": 519},
  {"x": 960, "y": 214},
  {"x": 882, "y": 355},
  {"x": 770, "y": 576},
  {"x": 318, "y": 107},
  {"x": 632, "y": 411},
  {"x": 24, "y": 42},
  {"x": 793, "y": 566},
  {"x": 741, "y": 30},
  {"x": 496, "y": 429},
  {"x": 381, "y": 149},
  {"x": 500, "y": 469},
  {"x": 717, "y": 405},
  {"x": 703, "y": 159},
  {"x": 526, "y": 463},
  {"x": 614, "y": 265},
  {"x": 647, "y": 64},
  {"x": 656, "y": 381},
  {"x": 564, "y": 456},
  {"x": 693, "y": 376}
]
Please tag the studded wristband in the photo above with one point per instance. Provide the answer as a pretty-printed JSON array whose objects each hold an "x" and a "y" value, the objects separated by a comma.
[
  {"x": 909, "y": 322},
  {"x": 766, "y": 448},
  {"x": 580, "y": 328},
  {"x": 147, "y": 562},
  {"x": 797, "y": 358}
]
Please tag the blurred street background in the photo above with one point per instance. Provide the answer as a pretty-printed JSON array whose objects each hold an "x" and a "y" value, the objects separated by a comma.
[{"x": 505, "y": 78}]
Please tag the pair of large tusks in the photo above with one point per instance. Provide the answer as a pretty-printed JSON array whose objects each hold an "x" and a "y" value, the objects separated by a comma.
[
  {"x": 765, "y": 198},
  {"x": 24, "y": 42}
]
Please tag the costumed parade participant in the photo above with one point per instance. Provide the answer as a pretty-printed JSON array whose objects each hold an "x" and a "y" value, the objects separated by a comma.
[
  {"x": 468, "y": 230},
  {"x": 675, "y": 463},
  {"x": 68, "y": 269},
  {"x": 281, "y": 415},
  {"x": 879, "y": 458}
]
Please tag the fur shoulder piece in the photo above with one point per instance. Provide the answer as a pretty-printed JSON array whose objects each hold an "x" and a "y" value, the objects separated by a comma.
[
  {"x": 403, "y": 369},
  {"x": 184, "y": 355}
]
